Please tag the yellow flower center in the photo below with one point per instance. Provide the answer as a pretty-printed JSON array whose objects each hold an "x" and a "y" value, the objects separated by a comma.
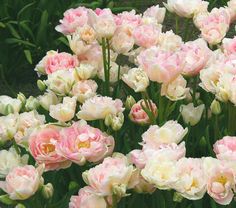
[
  {"x": 85, "y": 144},
  {"x": 47, "y": 148},
  {"x": 222, "y": 180}
]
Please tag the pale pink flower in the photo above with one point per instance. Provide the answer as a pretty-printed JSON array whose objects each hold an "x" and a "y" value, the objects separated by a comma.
[
  {"x": 214, "y": 25},
  {"x": 87, "y": 198},
  {"x": 99, "y": 107},
  {"x": 139, "y": 116},
  {"x": 169, "y": 41},
  {"x": 128, "y": 18},
  {"x": 84, "y": 90},
  {"x": 232, "y": 9},
  {"x": 160, "y": 66},
  {"x": 103, "y": 22},
  {"x": 196, "y": 55},
  {"x": 156, "y": 13},
  {"x": 123, "y": 41},
  {"x": 221, "y": 184},
  {"x": 81, "y": 143},
  {"x": 225, "y": 148},
  {"x": 22, "y": 182},
  {"x": 111, "y": 176},
  {"x": 73, "y": 18},
  {"x": 60, "y": 61},
  {"x": 229, "y": 45},
  {"x": 42, "y": 146},
  {"x": 146, "y": 35}
]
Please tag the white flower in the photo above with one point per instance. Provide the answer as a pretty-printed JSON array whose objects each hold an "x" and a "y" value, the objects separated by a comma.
[
  {"x": 9, "y": 160},
  {"x": 49, "y": 98},
  {"x": 99, "y": 107},
  {"x": 8, "y": 126},
  {"x": 84, "y": 89},
  {"x": 8, "y": 102},
  {"x": 192, "y": 115},
  {"x": 162, "y": 173},
  {"x": 136, "y": 79},
  {"x": 86, "y": 71},
  {"x": 170, "y": 132},
  {"x": 27, "y": 122},
  {"x": 155, "y": 12},
  {"x": 176, "y": 89},
  {"x": 61, "y": 81},
  {"x": 63, "y": 111}
]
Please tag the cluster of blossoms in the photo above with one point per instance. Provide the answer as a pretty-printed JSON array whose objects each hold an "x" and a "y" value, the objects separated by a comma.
[{"x": 96, "y": 105}]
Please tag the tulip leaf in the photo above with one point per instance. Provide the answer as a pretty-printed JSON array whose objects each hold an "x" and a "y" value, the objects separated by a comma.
[{"x": 28, "y": 56}]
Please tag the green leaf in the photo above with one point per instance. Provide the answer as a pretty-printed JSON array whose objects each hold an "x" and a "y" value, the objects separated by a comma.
[
  {"x": 27, "y": 29},
  {"x": 17, "y": 41},
  {"x": 24, "y": 9},
  {"x": 2, "y": 25},
  {"x": 6, "y": 200},
  {"x": 13, "y": 31},
  {"x": 42, "y": 31},
  {"x": 63, "y": 40},
  {"x": 28, "y": 56}
]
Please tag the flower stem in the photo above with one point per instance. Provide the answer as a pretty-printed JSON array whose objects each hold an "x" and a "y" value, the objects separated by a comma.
[{"x": 104, "y": 56}]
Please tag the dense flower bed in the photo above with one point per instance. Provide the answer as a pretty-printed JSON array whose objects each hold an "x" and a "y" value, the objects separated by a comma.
[{"x": 134, "y": 109}]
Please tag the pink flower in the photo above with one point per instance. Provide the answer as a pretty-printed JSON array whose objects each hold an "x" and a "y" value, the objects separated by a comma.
[
  {"x": 87, "y": 198},
  {"x": 139, "y": 116},
  {"x": 59, "y": 61},
  {"x": 81, "y": 143},
  {"x": 42, "y": 146},
  {"x": 128, "y": 18},
  {"x": 73, "y": 18},
  {"x": 225, "y": 148},
  {"x": 229, "y": 45},
  {"x": 196, "y": 55},
  {"x": 146, "y": 35},
  {"x": 111, "y": 176},
  {"x": 160, "y": 66},
  {"x": 155, "y": 12},
  {"x": 214, "y": 25},
  {"x": 22, "y": 182},
  {"x": 220, "y": 184}
]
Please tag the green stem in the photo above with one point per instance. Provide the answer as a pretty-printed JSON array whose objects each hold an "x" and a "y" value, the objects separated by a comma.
[
  {"x": 231, "y": 119},
  {"x": 114, "y": 201},
  {"x": 108, "y": 63},
  {"x": 216, "y": 128},
  {"x": 176, "y": 25},
  {"x": 195, "y": 79},
  {"x": 105, "y": 65}
]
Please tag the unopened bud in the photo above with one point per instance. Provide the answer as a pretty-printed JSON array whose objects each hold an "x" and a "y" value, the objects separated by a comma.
[
  {"x": 9, "y": 109},
  {"x": 20, "y": 206},
  {"x": 130, "y": 101},
  {"x": 32, "y": 103},
  {"x": 119, "y": 190},
  {"x": 22, "y": 98},
  {"x": 41, "y": 85},
  {"x": 177, "y": 197},
  {"x": 73, "y": 185},
  {"x": 47, "y": 191},
  {"x": 215, "y": 107}
]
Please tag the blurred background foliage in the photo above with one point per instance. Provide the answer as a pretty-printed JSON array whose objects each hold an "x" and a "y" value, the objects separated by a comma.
[{"x": 27, "y": 33}]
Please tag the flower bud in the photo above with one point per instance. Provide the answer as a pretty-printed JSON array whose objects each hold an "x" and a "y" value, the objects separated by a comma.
[
  {"x": 22, "y": 98},
  {"x": 41, "y": 85},
  {"x": 177, "y": 197},
  {"x": 6, "y": 200},
  {"x": 73, "y": 185},
  {"x": 130, "y": 101},
  {"x": 48, "y": 99},
  {"x": 20, "y": 206},
  {"x": 203, "y": 142},
  {"x": 108, "y": 120},
  {"x": 119, "y": 190},
  {"x": 117, "y": 122},
  {"x": 32, "y": 103},
  {"x": 9, "y": 109},
  {"x": 215, "y": 107},
  {"x": 47, "y": 191}
]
